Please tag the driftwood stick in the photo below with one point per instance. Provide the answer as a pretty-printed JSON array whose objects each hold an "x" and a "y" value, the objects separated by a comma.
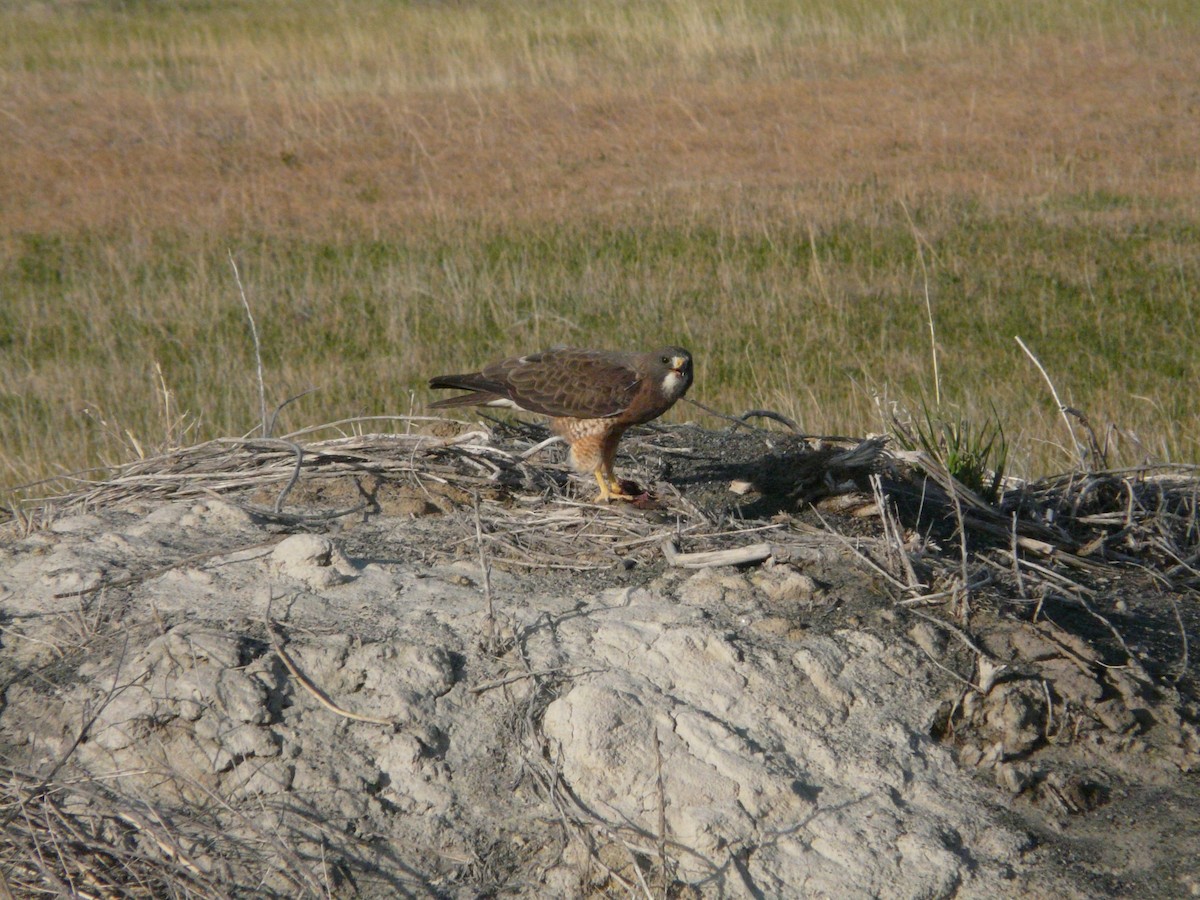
[{"x": 736, "y": 557}]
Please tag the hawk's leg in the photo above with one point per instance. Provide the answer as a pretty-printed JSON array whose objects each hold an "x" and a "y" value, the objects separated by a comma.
[{"x": 610, "y": 486}]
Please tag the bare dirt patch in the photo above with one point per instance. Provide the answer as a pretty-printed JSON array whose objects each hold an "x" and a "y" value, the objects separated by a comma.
[{"x": 515, "y": 693}]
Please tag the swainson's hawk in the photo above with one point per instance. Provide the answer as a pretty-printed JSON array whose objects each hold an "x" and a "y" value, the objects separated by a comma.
[{"x": 591, "y": 397}]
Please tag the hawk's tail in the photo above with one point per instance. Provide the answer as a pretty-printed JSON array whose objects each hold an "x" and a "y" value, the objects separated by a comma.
[
  {"x": 476, "y": 399},
  {"x": 478, "y": 396}
]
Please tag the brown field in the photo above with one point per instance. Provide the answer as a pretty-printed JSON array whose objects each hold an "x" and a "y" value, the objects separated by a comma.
[
  {"x": 757, "y": 191},
  {"x": 1017, "y": 126}
]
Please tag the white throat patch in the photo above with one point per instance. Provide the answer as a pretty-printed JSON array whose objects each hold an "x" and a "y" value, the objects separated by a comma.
[{"x": 673, "y": 385}]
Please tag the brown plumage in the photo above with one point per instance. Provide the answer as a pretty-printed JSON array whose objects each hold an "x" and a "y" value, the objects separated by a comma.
[{"x": 591, "y": 397}]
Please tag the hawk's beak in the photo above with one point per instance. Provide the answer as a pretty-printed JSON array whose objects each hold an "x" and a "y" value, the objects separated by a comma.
[{"x": 678, "y": 364}]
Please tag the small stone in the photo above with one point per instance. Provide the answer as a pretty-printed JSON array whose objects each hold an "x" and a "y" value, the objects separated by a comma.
[
  {"x": 929, "y": 639},
  {"x": 970, "y": 705},
  {"x": 76, "y": 524},
  {"x": 1071, "y": 682},
  {"x": 784, "y": 586},
  {"x": 303, "y": 549},
  {"x": 243, "y": 699},
  {"x": 989, "y": 671},
  {"x": 1115, "y": 716},
  {"x": 970, "y": 755},
  {"x": 992, "y": 754},
  {"x": 312, "y": 559},
  {"x": 270, "y": 778},
  {"x": 771, "y": 626},
  {"x": 1013, "y": 778},
  {"x": 1017, "y": 711},
  {"x": 701, "y": 590}
]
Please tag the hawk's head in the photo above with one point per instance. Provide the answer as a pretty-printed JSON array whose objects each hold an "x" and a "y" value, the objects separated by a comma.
[{"x": 672, "y": 369}]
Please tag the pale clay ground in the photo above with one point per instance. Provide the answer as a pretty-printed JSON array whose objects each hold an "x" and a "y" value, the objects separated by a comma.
[{"x": 800, "y": 719}]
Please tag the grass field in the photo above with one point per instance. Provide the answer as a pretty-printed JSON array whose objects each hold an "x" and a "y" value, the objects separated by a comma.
[{"x": 409, "y": 190}]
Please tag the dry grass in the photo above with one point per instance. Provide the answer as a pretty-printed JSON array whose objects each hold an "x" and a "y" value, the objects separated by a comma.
[{"x": 408, "y": 190}]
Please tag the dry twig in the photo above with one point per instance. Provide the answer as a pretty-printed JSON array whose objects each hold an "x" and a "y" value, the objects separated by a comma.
[{"x": 307, "y": 683}]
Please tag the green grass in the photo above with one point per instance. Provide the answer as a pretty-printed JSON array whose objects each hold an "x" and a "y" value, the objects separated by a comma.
[
  {"x": 811, "y": 325},
  {"x": 397, "y": 47}
]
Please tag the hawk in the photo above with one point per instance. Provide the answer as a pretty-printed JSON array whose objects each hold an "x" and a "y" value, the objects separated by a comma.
[{"x": 591, "y": 397}]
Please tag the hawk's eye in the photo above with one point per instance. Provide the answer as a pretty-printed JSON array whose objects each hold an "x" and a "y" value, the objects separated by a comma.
[{"x": 666, "y": 360}]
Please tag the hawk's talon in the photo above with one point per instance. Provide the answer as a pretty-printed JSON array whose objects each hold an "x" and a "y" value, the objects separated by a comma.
[
  {"x": 612, "y": 495},
  {"x": 611, "y": 489}
]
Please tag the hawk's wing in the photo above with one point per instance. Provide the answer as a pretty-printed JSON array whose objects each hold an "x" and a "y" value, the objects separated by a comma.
[{"x": 581, "y": 384}]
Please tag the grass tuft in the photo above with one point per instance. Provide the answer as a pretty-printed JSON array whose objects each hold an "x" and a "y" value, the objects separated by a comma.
[{"x": 974, "y": 453}]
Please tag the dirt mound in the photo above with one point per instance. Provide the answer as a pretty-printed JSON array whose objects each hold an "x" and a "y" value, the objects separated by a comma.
[{"x": 418, "y": 665}]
